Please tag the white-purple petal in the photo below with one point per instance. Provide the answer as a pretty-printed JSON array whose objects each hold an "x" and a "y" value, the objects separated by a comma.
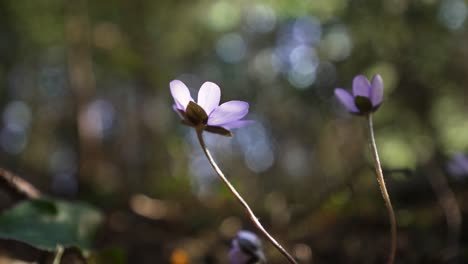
[
  {"x": 376, "y": 92},
  {"x": 174, "y": 107},
  {"x": 346, "y": 99},
  {"x": 236, "y": 124},
  {"x": 180, "y": 93},
  {"x": 228, "y": 112},
  {"x": 209, "y": 96},
  {"x": 361, "y": 86}
]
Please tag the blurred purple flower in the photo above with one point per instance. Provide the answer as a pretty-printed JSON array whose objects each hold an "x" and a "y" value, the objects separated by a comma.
[
  {"x": 207, "y": 114},
  {"x": 366, "y": 97},
  {"x": 246, "y": 249},
  {"x": 458, "y": 165}
]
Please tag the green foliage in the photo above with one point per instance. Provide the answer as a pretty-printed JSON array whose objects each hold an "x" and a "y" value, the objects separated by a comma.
[{"x": 47, "y": 223}]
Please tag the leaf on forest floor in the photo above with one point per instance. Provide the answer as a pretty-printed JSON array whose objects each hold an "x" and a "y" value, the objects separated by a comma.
[{"x": 48, "y": 223}]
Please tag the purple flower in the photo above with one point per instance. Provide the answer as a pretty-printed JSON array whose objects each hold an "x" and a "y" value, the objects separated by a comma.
[
  {"x": 458, "y": 165},
  {"x": 246, "y": 249},
  {"x": 366, "y": 97},
  {"x": 207, "y": 114}
]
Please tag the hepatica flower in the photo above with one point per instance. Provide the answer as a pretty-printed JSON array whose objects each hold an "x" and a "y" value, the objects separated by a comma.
[
  {"x": 206, "y": 113},
  {"x": 366, "y": 97},
  {"x": 246, "y": 249}
]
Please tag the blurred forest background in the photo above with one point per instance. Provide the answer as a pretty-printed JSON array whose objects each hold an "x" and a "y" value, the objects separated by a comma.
[{"x": 86, "y": 116}]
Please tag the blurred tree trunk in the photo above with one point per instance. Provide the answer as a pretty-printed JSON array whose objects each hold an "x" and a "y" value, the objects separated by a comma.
[
  {"x": 140, "y": 156},
  {"x": 82, "y": 82}
]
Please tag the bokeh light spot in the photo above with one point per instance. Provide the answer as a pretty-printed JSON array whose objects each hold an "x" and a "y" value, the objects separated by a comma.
[
  {"x": 337, "y": 44},
  {"x": 231, "y": 48},
  {"x": 223, "y": 15},
  {"x": 257, "y": 148},
  {"x": 452, "y": 13},
  {"x": 260, "y": 19}
]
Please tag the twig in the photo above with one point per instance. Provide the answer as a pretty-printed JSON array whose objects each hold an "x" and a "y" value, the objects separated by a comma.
[
  {"x": 19, "y": 185},
  {"x": 58, "y": 255},
  {"x": 241, "y": 200}
]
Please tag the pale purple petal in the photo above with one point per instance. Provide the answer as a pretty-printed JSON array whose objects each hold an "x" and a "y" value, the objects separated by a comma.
[
  {"x": 361, "y": 86},
  {"x": 346, "y": 99},
  {"x": 228, "y": 112},
  {"x": 209, "y": 96},
  {"x": 237, "y": 124},
  {"x": 376, "y": 93},
  {"x": 458, "y": 165},
  {"x": 237, "y": 256},
  {"x": 462, "y": 161},
  {"x": 250, "y": 236},
  {"x": 174, "y": 107},
  {"x": 180, "y": 93}
]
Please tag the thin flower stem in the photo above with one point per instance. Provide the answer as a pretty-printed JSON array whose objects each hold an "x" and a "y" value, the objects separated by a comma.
[
  {"x": 241, "y": 200},
  {"x": 383, "y": 189},
  {"x": 58, "y": 255}
]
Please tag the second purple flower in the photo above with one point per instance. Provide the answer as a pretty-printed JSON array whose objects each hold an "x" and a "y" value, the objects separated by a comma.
[
  {"x": 246, "y": 249},
  {"x": 366, "y": 97}
]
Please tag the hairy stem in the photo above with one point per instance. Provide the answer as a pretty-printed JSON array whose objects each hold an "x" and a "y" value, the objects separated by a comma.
[
  {"x": 383, "y": 189},
  {"x": 241, "y": 200}
]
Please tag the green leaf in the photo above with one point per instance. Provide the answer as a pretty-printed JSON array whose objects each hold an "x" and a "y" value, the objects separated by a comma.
[
  {"x": 45, "y": 206},
  {"x": 47, "y": 223}
]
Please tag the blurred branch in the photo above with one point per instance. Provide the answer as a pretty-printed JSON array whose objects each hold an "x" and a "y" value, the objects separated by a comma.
[
  {"x": 58, "y": 255},
  {"x": 448, "y": 201},
  {"x": 19, "y": 186}
]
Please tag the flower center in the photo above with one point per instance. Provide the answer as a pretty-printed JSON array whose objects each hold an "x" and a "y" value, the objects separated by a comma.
[
  {"x": 196, "y": 115},
  {"x": 363, "y": 104}
]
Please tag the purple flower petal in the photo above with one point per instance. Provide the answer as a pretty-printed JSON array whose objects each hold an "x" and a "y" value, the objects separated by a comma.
[
  {"x": 376, "y": 93},
  {"x": 237, "y": 124},
  {"x": 246, "y": 248},
  {"x": 237, "y": 256},
  {"x": 462, "y": 161},
  {"x": 458, "y": 165},
  {"x": 346, "y": 99},
  {"x": 180, "y": 93},
  {"x": 174, "y": 107},
  {"x": 361, "y": 86},
  {"x": 209, "y": 96},
  {"x": 228, "y": 112},
  {"x": 250, "y": 236}
]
